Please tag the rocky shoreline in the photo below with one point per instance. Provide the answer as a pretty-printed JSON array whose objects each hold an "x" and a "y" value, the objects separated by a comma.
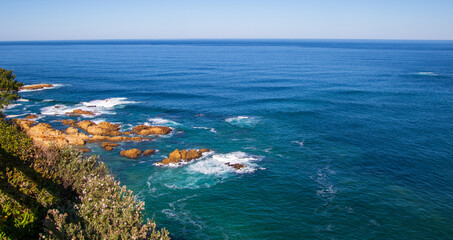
[{"x": 79, "y": 133}]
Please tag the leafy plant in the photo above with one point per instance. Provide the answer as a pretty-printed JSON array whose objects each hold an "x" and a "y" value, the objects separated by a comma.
[{"x": 8, "y": 87}]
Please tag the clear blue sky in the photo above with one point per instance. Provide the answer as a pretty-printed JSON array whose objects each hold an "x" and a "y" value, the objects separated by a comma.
[{"x": 178, "y": 19}]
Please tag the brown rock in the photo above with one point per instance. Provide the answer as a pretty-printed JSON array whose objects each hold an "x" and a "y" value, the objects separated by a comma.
[
  {"x": 109, "y": 126},
  {"x": 31, "y": 116},
  {"x": 36, "y": 86},
  {"x": 149, "y": 152},
  {"x": 25, "y": 124},
  {"x": 151, "y": 130},
  {"x": 103, "y": 129},
  {"x": 129, "y": 132},
  {"x": 68, "y": 122},
  {"x": 109, "y": 146},
  {"x": 78, "y": 112},
  {"x": 131, "y": 153},
  {"x": 183, "y": 156},
  {"x": 236, "y": 166},
  {"x": 99, "y": 138}
]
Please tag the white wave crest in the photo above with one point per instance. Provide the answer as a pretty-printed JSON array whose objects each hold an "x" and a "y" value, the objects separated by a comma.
[
  {"x": 427, "y": 74},
  {"x": 216, "y": 164},
  {"x": 162, "y": 121},
  {"x": 45, "y": 88},
  {"x": 242, "y": 121},
  {"x": 98, "y": 107},
  {"x": 23, "y": 100},
  {"x": 206, "y": 128}
]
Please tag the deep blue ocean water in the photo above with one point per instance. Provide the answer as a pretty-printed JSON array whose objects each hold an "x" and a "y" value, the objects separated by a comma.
[{"x": 341, "y": 139}]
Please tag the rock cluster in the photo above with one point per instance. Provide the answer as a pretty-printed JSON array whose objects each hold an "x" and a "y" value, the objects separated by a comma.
[
  {"x": 183, "y": 156},
  {"x": 31, "y": 116},
  {"x": 109, "y": 146},
  {"x": 102, "y": 129},
  {"x": 45, "y": 135},
  {"x": 36, "y": 86}
]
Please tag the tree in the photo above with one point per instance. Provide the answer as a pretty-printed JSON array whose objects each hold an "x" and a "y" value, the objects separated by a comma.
[{"x": 8, "y": 87}]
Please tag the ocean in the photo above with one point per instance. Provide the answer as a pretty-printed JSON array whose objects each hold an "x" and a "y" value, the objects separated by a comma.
[{"x": 341, "y": 139}]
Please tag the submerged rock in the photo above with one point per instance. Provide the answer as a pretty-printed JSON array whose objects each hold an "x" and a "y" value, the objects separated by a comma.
[
  {"x": 131, "y": 153},
  {"x": 109, "y": 146},
  {"x": 85, "y": 150},
  {"x": 148, "y": 152},
  {"x": 183, "y": 156},
  {"x": 151, "y": 130},
  {"x": 36, "y": 86}
]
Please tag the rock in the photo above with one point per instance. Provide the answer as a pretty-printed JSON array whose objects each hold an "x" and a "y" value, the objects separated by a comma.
[
  {"x": 131, "y": 153},
  {"x": 151, "y": 130},
  {"x": 236, "y": 166},
  {"x": 109, "y": 146},
  {"x": 66, "y": 122},
  {"x": 109, "y": 126},
  {"x": 45, "y": 135},
  {"x": 103, "y": 129},
  {"x": 85, "y": 150},
  {"x": 78, "y": 112},
  {"x": 99, "y": 138},
  {"x": 149, "y": 152},
  {"x": 129, "y": 132},
  {"x": 74, "y": 137},
  {"x": 183, "y": 156},
  {"x": 25, "y": 124},
  {"x": 31, "y": 116},
  {"x": 36, "y": 86},
  {"x": 72, "y": 130}
]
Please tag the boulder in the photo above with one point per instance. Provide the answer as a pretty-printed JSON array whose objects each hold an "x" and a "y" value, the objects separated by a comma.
[
  {"x": 36, "y": 86},
  {"x": 129, "y": 132},
  {"x": 151, "y": 130},
  {"x": 131, "y": 153},
  {"x": 148, "y": 152},
  {"x": 78, "y": 112},
  {"x": 31, "y": 116},
  {"x": 183, "y": 156},
  {"x": 236, "y": 166},
  {"x": 109, "y": 146},
  {"x": 101, "y": 129}
]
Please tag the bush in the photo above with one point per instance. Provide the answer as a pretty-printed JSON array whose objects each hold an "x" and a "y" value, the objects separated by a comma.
[{"x": 58, "y": 194}]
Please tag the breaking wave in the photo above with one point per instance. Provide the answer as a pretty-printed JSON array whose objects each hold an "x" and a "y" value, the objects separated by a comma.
[
  {"x": 98, "y": 107},
  {"x": 242, "y": 121}
]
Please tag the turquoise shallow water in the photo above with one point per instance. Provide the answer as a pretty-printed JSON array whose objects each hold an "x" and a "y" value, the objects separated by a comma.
[{"x": 341, "y": 139}]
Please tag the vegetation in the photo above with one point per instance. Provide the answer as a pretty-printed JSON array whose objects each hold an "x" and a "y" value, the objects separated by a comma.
[
  {"x": 8, "y": 87},
  {"x": 57, "y": 193}
]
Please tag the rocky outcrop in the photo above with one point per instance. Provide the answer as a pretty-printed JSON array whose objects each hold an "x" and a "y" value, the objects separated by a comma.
[
  {"x": 45, "y": 135},
  {"x": 74, "y": 137},
  {"x": 101, "y": 129},
  {"x": 183, "y": 156},
  {"x": 236, "y": 166},
  {"x": 25, "y": 124},
  {"x": 148, "y": 152},
  {"x": 109, "y": 146},
  {"x": 36, "y": 86},
  {"x": 151, "y": 130},
  {"x": 79, "y": 112},
  {"x": 131, "y": 153},
  {"x": 31, "y": 116}
]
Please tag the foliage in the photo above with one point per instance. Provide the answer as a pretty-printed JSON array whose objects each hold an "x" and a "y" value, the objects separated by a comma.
[
  {"x": 59, "y": 194},
  {"x": 8, "y": 87}
]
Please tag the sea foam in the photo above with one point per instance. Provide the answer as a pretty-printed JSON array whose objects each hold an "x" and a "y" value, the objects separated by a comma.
[
  {"x": 98, "y": 107},
  {"x": 242, "y": 121}
]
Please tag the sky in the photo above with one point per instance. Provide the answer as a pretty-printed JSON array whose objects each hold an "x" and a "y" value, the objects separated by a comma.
[{"x": 23, "y": 20}]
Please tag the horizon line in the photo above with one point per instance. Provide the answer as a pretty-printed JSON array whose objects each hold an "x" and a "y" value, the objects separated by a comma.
[{"x": 214, "y": 39}]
